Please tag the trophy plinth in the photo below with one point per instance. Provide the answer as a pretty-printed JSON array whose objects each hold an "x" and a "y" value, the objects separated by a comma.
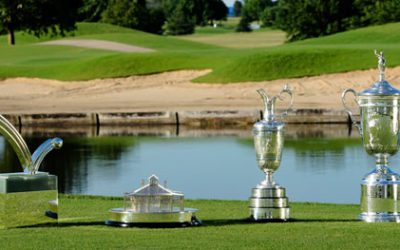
[
  {"x": 378, "y": 196},
  {"x": 379, "y": 129},
  {"x": 28, "y": 200},
  {"x": 268, "y": 201}
]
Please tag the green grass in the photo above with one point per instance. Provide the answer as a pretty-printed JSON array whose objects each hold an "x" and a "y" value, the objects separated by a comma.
[
  {"x": 352, "y": 50},
  {"x": 316, "y": 226},
  {"x": 226, "y": 38}
]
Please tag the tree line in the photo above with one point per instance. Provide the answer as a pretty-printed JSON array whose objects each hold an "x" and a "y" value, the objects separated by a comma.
[
  {"x": 173, "y": 17},
  {"x": 314, "y": 18}
]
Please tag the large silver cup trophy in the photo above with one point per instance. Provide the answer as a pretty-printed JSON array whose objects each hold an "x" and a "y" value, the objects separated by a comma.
[
  {"x": 379, "y": 129},
  {"x": 268, "y": 200}
]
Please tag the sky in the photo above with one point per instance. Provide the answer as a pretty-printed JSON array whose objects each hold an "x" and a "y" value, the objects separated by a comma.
[{"x": 229, "y": 2}]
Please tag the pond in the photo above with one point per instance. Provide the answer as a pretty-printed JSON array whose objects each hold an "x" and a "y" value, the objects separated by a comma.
[{"x": 321, "y": 163}]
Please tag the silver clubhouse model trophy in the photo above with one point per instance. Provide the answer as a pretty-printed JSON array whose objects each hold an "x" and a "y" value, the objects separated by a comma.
[
  {"x": 268, "y": 201},
  {"x": 30, "y": 197},
  {"x": 379, "y": 129},
  {"x": 153, "y": 205}
]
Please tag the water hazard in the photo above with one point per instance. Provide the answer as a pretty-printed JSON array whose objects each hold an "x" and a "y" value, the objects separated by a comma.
[{"x": 321, "y": 163}]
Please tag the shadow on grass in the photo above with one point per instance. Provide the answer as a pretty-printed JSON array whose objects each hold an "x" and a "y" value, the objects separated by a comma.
[
  {"x": 205, "y": 223},
  {"x": 216, "y": 223},
  {"x": 65, "y": 224}
]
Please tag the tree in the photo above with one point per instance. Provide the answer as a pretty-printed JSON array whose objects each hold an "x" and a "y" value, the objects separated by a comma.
[
  {"x": 255, "y": 8},
  {"x": 92, "y": 10},
  {"x": 252, "y": 11},
  {"x": 38, "y": 17},
  {"x": 217, "y": 10},
  {"x": 313, "y": 18},
  {"x": 237, "y": 8},
  {"x": 126, "y": 13},
  {"x": 134, "y": 14},
  {"x": 244, "y": 23},
  {"x": 207, "y": 11},
  {"x": 370, "y": 12},
  {"x": 180, "y": 17}
]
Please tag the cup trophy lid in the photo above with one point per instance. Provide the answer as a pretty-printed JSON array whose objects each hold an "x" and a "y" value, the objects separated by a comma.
[{"x": 381, "y": 88}]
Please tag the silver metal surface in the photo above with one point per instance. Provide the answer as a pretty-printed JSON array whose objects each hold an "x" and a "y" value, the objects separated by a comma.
[
  {"x": 30, "y": 164},
  {"x": 268, "y": 145},
  {"x": 260, "y": 214},
  {"x": 379, "y": 129},
  {"x": 27, "y": 200},
  {"x": 379, "y": 217},
  {"x": 268, "y": 200},
  {"x": 275, "y": 192},
  {"x": 122, "y": 215},
  {"x": 152, "y": 203}
]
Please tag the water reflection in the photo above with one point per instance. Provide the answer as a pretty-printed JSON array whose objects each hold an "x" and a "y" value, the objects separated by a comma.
[{"x": 321, "y": 163}]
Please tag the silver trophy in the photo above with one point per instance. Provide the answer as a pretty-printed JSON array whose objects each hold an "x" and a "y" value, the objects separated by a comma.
[
  {"x": 268, "y": 200},
  {"x": 153, "y": 204},
  {"x": 30, "y": 197},
  {"x": 379, "y": 129}
]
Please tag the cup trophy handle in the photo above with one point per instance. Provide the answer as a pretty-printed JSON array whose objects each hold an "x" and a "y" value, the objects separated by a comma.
[
  {"x": 348, "y": 110},
  {"x": 286, "y": 90}
]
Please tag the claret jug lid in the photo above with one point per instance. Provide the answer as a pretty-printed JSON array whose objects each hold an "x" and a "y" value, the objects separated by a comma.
[{"x": 381, "y": 88}]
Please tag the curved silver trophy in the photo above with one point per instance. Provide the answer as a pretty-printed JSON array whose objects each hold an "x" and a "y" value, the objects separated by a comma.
[
  {"x": 379, "y": 129},
  {"x": 30, "y": 197},
  {"x": 268, "y": 200}
]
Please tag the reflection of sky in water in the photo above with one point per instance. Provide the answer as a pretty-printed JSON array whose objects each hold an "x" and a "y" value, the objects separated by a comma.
[{"x": 210, "y": 168}]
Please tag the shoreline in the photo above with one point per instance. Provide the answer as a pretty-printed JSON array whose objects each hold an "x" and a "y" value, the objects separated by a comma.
[{"x": 210, "y": 118}]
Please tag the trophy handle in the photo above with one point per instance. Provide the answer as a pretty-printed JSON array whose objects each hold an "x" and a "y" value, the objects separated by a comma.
[
  {"x": 348, "y": 110},
  {"x": 286, "y": 90}
]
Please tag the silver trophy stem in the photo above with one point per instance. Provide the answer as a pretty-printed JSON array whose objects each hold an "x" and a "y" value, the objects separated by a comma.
[
  {"x": 268, "y": 182},
  {"x": 382, "y": 160}
]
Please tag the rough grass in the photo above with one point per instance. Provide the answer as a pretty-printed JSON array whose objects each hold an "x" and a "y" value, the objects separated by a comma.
[
  {"x": 315, "y": 226},
  {"x": 352, "y": 50}
]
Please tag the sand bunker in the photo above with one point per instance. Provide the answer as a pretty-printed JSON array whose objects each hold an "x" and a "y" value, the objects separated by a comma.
[
  {"x": 174, "y": 91},
  {"x": 98, "y": 44}
]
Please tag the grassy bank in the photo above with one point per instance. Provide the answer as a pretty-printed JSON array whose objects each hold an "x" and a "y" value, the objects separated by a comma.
[
  {"x": 352, "y": 50},
  {"x": 316, "y": 226}
]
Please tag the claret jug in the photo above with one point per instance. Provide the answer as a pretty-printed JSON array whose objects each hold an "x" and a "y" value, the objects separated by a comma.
[{"x": 268, "y": 200}]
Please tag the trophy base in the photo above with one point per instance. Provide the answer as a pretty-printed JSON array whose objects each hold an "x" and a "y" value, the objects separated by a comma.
[
  {"x": 270, "y": 214},
  {"x": 379, "y": 217},
  {"x": 127, "y": 218},
  {"x": 379, "y": 196},
  {"x": 269, "y": 204},
  {"x": 28, "y": 200}
]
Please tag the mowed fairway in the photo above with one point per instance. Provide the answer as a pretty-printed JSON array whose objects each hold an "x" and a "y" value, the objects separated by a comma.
[
  {"x": 258, "y": 39},
  {"x": 224, "y": 35},
  {"x": 314, "y": 226},
  {"x": 352, "y": 50}
]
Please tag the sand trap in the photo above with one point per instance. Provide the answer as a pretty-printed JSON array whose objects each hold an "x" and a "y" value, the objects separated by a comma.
[
  {"x": 98, "y": 44},
  {"x": 173, "y": 91}
]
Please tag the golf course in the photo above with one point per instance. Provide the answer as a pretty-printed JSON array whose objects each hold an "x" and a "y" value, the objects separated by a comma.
[
  {"x": 101, "y": 67},
  {"x": 341, "y": 52}
]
